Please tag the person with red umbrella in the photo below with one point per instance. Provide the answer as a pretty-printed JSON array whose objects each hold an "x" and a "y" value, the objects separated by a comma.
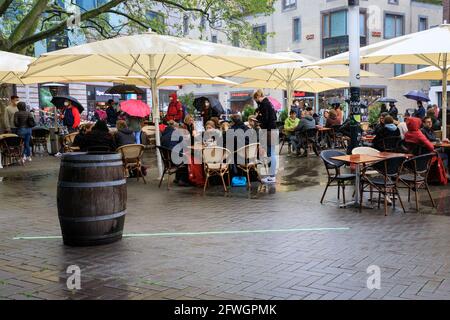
[
  {"x": 136, "y": 111},
  {"x": 71, "y": 117}
]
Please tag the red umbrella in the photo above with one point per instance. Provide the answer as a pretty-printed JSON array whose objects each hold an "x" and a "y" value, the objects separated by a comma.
[
  {"x": 135, "y": 108},
  {"x": 276, "y": 104}
]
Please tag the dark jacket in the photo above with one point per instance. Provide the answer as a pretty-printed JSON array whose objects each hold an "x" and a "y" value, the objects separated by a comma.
[
  {"x": 429, "y": 134},
  {"x": 267, "y": 115},
  {"x": 393, "y": 112},
  {"x": 96, "y": 138},
  {"x": 331, "y": 122},
  {"x": 21, "y": 119},
  {"x": 386, "y": 131},
  {"x": 124, "y": 136},
  {"x": 420, "y": 113},
  {"x": 306, "y": 123},
  {"x": 166, "y": 138},
  {"x": 112, "y": 116}
]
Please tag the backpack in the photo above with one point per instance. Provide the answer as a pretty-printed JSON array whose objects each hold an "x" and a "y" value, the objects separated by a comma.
[{"x": 239, "y": 181}]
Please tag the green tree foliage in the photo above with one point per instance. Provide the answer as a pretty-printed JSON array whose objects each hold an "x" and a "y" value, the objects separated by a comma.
[{"x": 25, "y": 22}]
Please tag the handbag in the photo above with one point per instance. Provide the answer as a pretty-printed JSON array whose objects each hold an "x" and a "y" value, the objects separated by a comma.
[{"x": 239, "y": 181}]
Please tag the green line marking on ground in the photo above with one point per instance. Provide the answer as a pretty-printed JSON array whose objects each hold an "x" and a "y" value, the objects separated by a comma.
[{"x": 201, "y": 233}]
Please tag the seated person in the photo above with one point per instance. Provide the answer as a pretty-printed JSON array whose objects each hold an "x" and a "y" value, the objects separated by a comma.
[
  {"x": 427, "y": 129},
  {"x": 332, "y": 119},
  {"x": 124, "y": 135},
  {"x": 289, "y": 129},
  {"x": 380, "y": 124},
  {"x": 436, "y": 124},
  {"x": 388, "y": 130},
  {"x": 166, "y": 137},
  {"x": 237, "y": 123},
  {"x": 305, "y": 124},
  {"x": 211, "y": 134},
  {"x": 402, "y": 126},
  {"x": 99, "y": 137},
  {"x": 83, "y": 131},
  {"x": 416, "y": 140}
]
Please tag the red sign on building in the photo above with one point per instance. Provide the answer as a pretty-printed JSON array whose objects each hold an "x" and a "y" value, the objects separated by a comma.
[{"x": 376, "y": 34}]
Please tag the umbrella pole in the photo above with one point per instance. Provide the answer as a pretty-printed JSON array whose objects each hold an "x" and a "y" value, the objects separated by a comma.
[
  {"x": 289, "y": 96},
  {"x": 444, "y": 98},
  {"x": 156, "y": 121}
]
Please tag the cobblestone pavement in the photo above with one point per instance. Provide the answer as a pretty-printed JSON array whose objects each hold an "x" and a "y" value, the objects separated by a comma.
[{"x": 317, "y": 252}]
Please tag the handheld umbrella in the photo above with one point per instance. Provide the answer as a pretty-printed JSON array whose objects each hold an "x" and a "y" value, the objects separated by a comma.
[
  {"x": 58, "y": 102},
  {"x": 135, "y": 108},
  {"x": 417, "y": 95}
]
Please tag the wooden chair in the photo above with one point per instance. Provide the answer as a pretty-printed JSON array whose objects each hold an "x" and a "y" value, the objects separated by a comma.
[
  {"x": 12, "y": 148},
  {"x": 247, "y": 158},
  {"x": 68, "y": 142},
  {"x": 309, "y": 140},
  {"x": 132, "y": 159},
  {"x": 170, "y": 168},
  {"x": 216, "y": 162},
  {"x": 415, "y": 176},
  {"x": 39, "y": 138},
  {"x": 386, "y": 183}
]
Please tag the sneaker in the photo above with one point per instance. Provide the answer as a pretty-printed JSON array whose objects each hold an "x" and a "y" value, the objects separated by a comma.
[
  {"x": 29, "y": 159},
  {"x": 271, "y": 179},
  {"x": 59, "y": 154}
]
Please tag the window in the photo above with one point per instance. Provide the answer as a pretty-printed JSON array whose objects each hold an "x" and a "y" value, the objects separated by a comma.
[
  {"x": 296, "y": 30},
  {"x": 203, "y": 22},
  {"x": 392, "y": 1},
  {"x": 335, "y": 24},
  {"x": 423, "y": 23},
  {"x": 399, "y": 69},
  {"x": 185, "y": 24},
  {"x": 214, "y": 39},
  {"x": 289, "y": 4},
  {"x": 260, "y": 33},
  {"x": 393, "y": 26}
]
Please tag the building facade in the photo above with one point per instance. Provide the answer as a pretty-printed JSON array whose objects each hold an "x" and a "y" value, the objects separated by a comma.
[{"x": 319, "y": 29}]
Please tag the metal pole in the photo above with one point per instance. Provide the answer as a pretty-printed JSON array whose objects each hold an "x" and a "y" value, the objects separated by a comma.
[
  {"x": 444, "y": 98},
  {"x": 155, "y": 110},
  {"x": 289, "y": 96},
  {"x": 316, "y": 102},
  {"x": 355, "y": 84}
]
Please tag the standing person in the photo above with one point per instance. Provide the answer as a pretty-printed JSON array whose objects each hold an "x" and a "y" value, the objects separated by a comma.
[
  {"x": 267, "y": 117},
  {"x": 100, "y": 114},
  {"x": 24, "y": 122},
  {"x": 175, "y": 110},
  {"x": 339, "y": 113},
  {"x": 111, "y": 113},
  {"x": 393, "y": 111},
  {"x": 71, "y": 118},
  {"x": 207, "y": 111},
  {"x": 383, "y": 108},
  {"x": 10, "y": 110},
  {"x": 296, "y": 108},
  {"x": 420, "y": 111},
  {"x": 134, "y": 124}
]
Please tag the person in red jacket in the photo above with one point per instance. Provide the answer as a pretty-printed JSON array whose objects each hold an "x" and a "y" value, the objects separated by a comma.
[
  {"x": 71, "y": 118},
  {"x": 415, "y": 136},
  {"x": 175, "y": 110}
]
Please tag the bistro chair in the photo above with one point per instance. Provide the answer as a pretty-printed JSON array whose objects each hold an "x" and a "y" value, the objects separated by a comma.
[
  {"x": 132, "y": 159},
  {"x": 39, "y": 138},
  {"x": 335, "y": 177},
  {"x": 391, "y": 144},
  {"x": 309, "y": 139},
  {"x": 170, "y": 168},
  {"x": 216, "y": 162},
  {"x": 337, "y": 138},
  {"x": 12, "y": 148},
  {"x": 416, "y": 176},
  {"x": 284, "y": 138},
  {"x": 367, "y": 169},
  {"x": 68, "y": 142},
  {"x": 247, "y": 160},
  {"x": 386, "y": 181}
]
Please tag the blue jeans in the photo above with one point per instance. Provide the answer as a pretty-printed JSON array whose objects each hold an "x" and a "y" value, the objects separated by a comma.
[
  {"x": 137, "y": 137},
  {"x": 25, "y": 134}
]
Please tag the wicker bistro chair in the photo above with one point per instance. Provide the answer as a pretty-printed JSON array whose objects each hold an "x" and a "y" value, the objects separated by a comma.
[
  {"x": 68, "y": 142},
  {"x": 170, "y": 168},
  {"x": 39, "y": 137},
  {"x": 335, "y": 177},
  {"x": 284, "y": 138},
  {"x": 132, "y": 159},
  {"x": 391, "y": 144},
  {"x": 415, "y": 176},
  {"x": 216, "y": 162},
  {"x": 247, "y": 158},
  {"x": 386, "y": 183},
  {"x": 12, "y": 148}
]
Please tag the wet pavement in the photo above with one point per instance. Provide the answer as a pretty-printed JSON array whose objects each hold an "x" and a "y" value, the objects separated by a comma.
[{"x": 268, "y": 243}]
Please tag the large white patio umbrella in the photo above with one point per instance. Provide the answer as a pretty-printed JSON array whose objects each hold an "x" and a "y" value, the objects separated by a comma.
[
  {"x": 288, "y": 73},
  {"x": 152, "y": 56},
  {"x": 428, "y": 73},
  {"x": 429, "y": 47},
  {"x": 314, "y": 85},
  {"x": 12, "y": 66}
]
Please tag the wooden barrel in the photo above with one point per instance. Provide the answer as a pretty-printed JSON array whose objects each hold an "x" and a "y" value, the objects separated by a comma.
[{"x": 92, "y": 197}]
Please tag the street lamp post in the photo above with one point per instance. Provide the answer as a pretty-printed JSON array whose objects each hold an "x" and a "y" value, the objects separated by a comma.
[{"x": 355, "y": 66}]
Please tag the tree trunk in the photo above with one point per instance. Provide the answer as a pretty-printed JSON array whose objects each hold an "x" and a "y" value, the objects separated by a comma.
[{"x": 5, "y": 93}]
